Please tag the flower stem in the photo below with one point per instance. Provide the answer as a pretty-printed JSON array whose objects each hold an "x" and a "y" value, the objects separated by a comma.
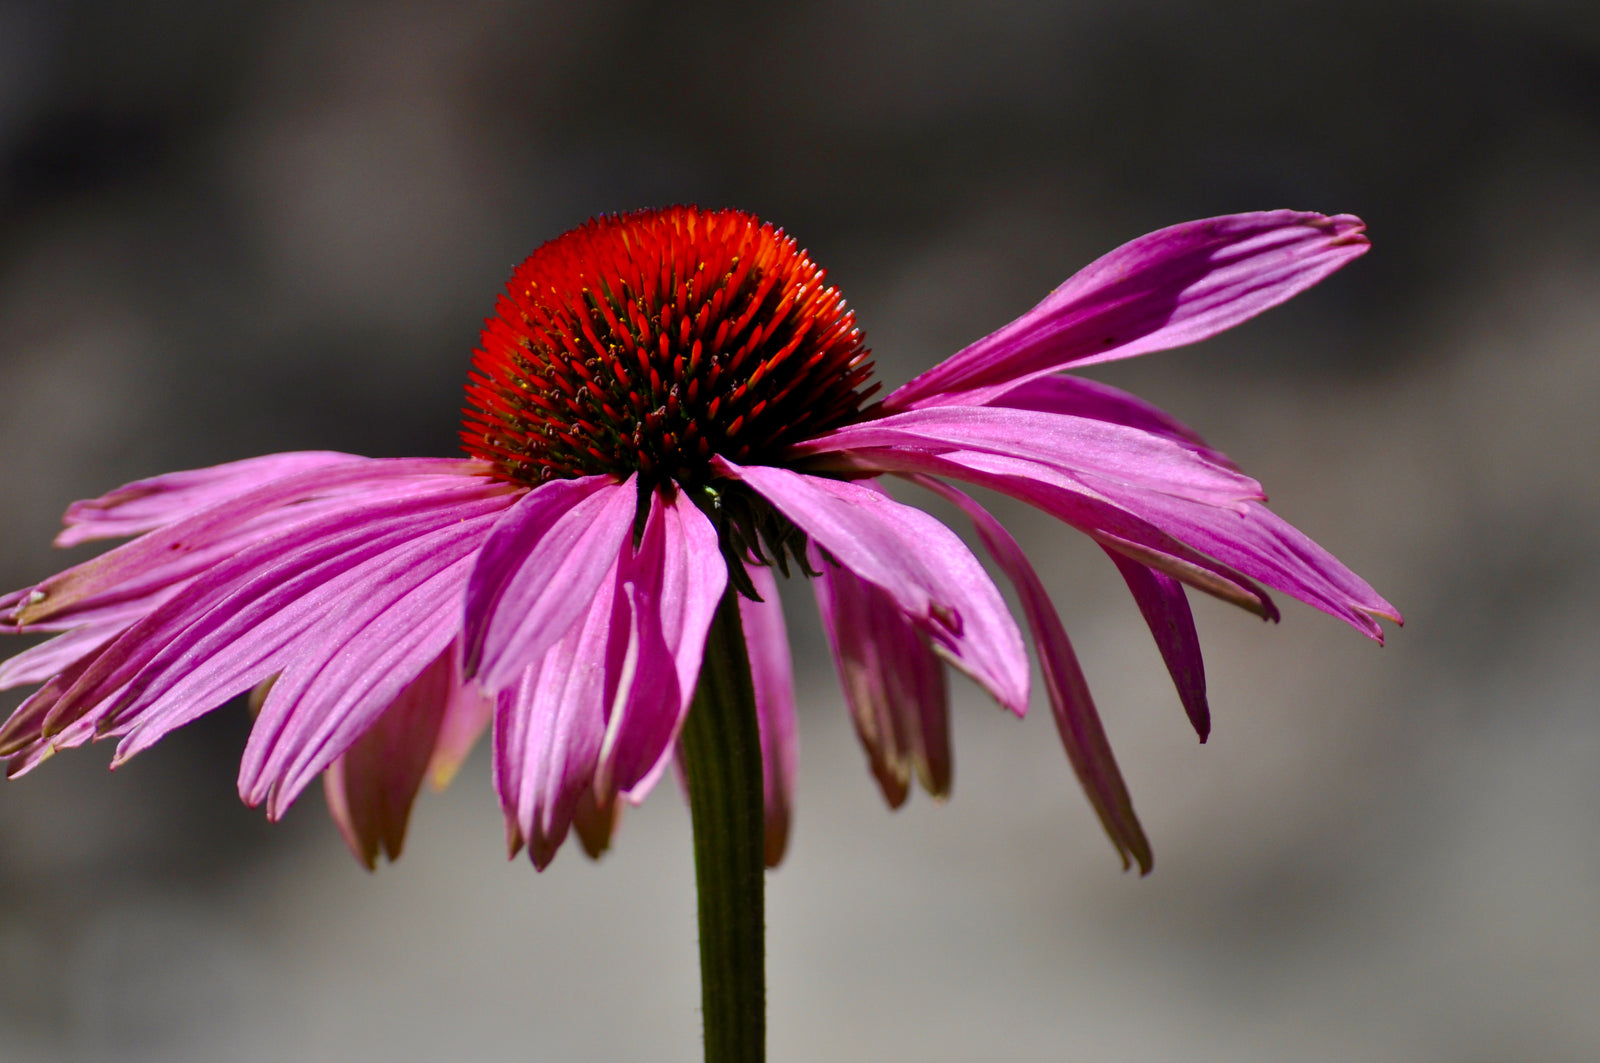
[{"x": 722, "y": 760}]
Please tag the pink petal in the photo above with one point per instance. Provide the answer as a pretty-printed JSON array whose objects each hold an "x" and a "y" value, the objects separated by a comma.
[
  {"x": 921, "y": 564},
  {"x": 1076, "y": 718},
  {"x": 39, "y": 663},
  {"x": 767, "y": 645},
  {"x": 668, "y": 591},
  {"x": 540, "y": 569},
  {"x": 1166, "y": 610},
  {"x": 467, "y": 712},
  {"x": 547, "y": 733},
  {"x": 893, "y": 682},
  {"x": 371, "y": 785},
  {"x": 353, "y": 481},
  {"x": 1166, "y": 289},
  {"x": 1074, "y": 501},
  {"x": 1072, "y": 446},
  {"x": 147, "y": 504},
  {"x": 1080, "y": 397}
]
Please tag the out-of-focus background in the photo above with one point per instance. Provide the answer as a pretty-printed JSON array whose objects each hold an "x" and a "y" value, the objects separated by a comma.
[{"x": 232, "y": 228}]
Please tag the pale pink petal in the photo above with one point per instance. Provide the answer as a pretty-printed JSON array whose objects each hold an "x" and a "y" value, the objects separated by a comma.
[
  {"x": 540, "y": 569},
  {"x": 1072, "y": 446},
  {"x": 921, "y": 564},
  {"x": 1166, "y": 610},
  {"x": 467, "y": 712},
  {"x": 893, "y": 682},
  {"x": 668, "y": 591},
  {"x": 772, "y": 674},
  {"x": 1166, "y": 289},
  {"x": 1078, "y": 722},
  {"x": 148, "y": 504},
  {"x": 370, "y": 787},
  {"x": 548, "y": 730}
]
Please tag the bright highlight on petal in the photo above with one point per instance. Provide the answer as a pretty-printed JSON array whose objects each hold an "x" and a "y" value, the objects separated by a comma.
[{"x": 665, "y": 405}]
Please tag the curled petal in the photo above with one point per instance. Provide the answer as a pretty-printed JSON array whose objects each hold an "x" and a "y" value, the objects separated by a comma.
[
  {"x": 371, "y": 785},
  {"x": 922, "y": 565},
  {"x": 893, "y": 683},
  {"x": 1166, "y": 289},
  {"x": 1077, "y": 720},
  {"x": 772, "y": 675}
]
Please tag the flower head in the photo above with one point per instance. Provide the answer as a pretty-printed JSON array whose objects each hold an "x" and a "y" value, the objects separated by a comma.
[{"x": 668, "y": 403}]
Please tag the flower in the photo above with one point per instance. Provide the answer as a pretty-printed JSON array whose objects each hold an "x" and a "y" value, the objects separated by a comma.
[{"x": 669, "y": 404}]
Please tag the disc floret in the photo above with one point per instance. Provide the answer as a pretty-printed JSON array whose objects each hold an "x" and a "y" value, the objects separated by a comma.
[{"x": 648, "y": 342}]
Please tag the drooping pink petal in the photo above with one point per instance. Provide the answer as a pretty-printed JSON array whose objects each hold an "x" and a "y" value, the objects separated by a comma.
[
  {"x": 596, "y": 823},
  {"x": 1166, "y": 610},
  {"x": 772, "y": 674},
  {"x": 547, "y": 733},
  {"x": 1078, "y": 722},
  {"x": 668, "y": 590},
  {"x": 148, "y": 504},
  {"x": 202, "y": 530},
  {"x": 540, "y": 569},
  {"x": 893, "y": 682},
  {"x": 1074, "y": 501},
  {"x": 1081, "y": 397},
  {"x": 1166, "y": 289},
  {"x": 269, "y": 607},
  {"x": 39, "y": 663},
  {"x": 466, "y": 714},
  {"x": 921, "y": 564},
  {"x": 370, "y": 787},
  {"x": 1072, "y": 446}
]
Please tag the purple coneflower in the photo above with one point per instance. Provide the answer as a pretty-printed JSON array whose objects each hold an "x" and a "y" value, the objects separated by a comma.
[{"x": 666, "y": 406}]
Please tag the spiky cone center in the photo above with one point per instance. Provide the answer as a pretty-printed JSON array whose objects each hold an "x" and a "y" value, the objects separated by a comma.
[{"x": 649, "y": 342}]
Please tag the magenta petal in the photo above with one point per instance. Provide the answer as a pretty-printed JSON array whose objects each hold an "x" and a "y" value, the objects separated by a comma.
[
  {"x": 667, "y": 593},
  {"x": 1081, "y": 506},
  {"x": 147, "y": 504},
  {"x": 547, "y": 733},
  {"x": 772, "y": 674},
  {"x": 467, "y": 712},
  {"x": 370, "y": 787},
  {"x": 357, "y": 481},
  {"x": 1166, "y": 289},
  {"x": 893, "y": 682},
  {"x": 539, "y": 569},
  {"x": 1166, "y": 610},
  {"x": 921, "y": 564},
  {"x": 1082, "y": 735},
  {"x": 1080, "y": 397},
  {"x": 1072, "y": 446},
  {"x": 39, "y": 663}
]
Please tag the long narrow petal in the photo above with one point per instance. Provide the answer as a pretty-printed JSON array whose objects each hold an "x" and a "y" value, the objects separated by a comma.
[
  {"x": 370, "y": 787},
  {"x": 921, "y": 564},
  {"x": 539, "y": 570},
  {"x": 144, "y": 505},
  {"x": 1073, "y": 446},
  {"x": 1078, "y": 722},
  {"x": 893, "y": 683},
  {"x": 548, "y": 729},
  {"x": 1081, "y": 397},
  {"x": 771, "y": 672},
  {"x": 1166, "y": 289},
  {"x": 467, "y": 713},
  {"x": 1166, "y": 610},
  {"x": 1075, "y": 502},
  {"x": 410, "y": 477},
  {"x": 668, "y": 591},
  {"x": 39, "y": 663}
]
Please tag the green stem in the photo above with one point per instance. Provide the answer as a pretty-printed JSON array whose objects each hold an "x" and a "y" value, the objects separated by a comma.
[{"x": 722, "y": 760}]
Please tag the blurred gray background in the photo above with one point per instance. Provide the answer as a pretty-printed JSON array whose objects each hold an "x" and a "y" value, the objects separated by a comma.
[{"x": 231, "y": 228}]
